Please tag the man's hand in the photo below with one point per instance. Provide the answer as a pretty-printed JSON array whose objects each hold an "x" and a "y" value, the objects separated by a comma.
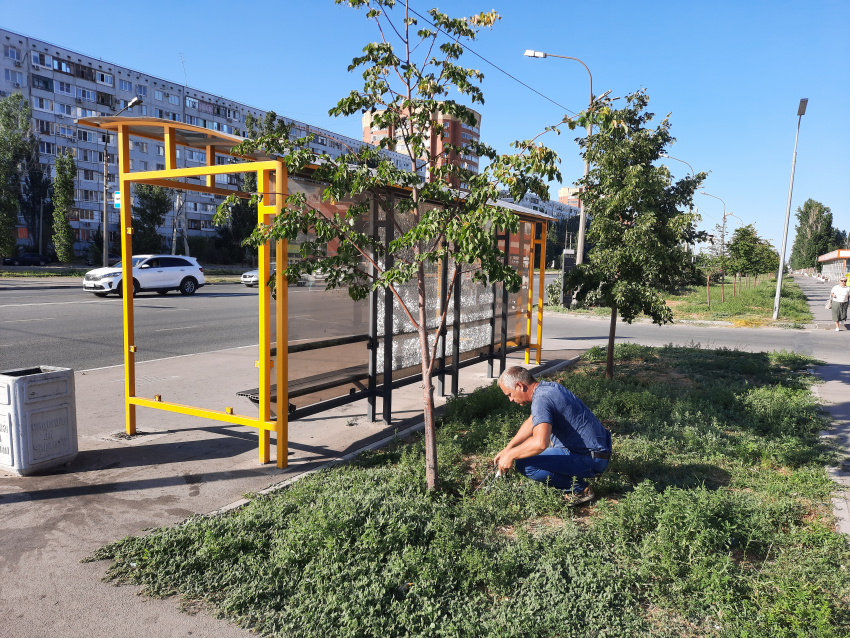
[{"x": 504, "y": 461}]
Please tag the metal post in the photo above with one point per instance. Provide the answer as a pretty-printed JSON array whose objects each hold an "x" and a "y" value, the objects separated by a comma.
[
  {"x": 105, "y": 203},
  {"x": 801, "y": 110},
  {"x": 456, "y": 337},
  {"x": 373, "y": 322},
  {"x": 387, "y": 387},
  {"x": 492, "y": 345},
  {"x": 441, "y": 348},
  {"x": 503, "y": 353}
]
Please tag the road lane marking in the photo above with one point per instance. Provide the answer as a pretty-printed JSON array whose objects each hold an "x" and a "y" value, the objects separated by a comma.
[
  {"x": 183, "y": 328},
  {"x": 52, "y": 303},
  {"x": 19, "y": 320}
]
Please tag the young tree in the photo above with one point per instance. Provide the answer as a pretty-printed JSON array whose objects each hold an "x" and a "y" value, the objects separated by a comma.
[
  {"x": 407, "y": 78},
  {"x": 35, "y": 204},
  {"x": 638, "y": 219},
  {"x": 18, "y": 149},
  {"x": 153, "y": 204},
  {"x": 63, "y": 202}
]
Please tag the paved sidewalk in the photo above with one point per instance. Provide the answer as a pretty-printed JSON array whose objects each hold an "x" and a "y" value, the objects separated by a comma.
[
  {"x": 835, "y": 393},
  {"x": 179, "y": 466}
]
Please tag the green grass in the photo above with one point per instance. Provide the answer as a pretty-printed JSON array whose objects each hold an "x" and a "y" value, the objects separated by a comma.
[
  {"x": 53, "y": 272},
  {"x": 752, "y": 307},
  {"x": 713, "y": 521}
]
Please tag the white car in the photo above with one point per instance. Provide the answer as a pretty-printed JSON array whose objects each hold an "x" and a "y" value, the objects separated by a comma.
[
  {"x": 252, "y": 277},
  {"x": 158, "y": 273}
]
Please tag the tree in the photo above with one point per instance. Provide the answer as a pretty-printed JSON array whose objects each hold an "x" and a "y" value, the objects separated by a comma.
[
  {"x": 35, "y": 204},
  {"x": 153, "y": 204},
  {"x": 815, "y": 235},
  {"x": 18, "y": 149},
  {"x": 440, "y": 224},
  {"x": 63, "y": 202},
  {"x": 638, "y": 221}
]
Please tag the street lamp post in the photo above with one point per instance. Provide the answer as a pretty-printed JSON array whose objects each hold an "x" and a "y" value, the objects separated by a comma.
[
  {"x": 722, "y": 248},
  {"x": 801, "y": 111},
  {"x": 582, "y": 221},
  {"x": 691, "y": 207},
  {"x": 136, "y": 100}
]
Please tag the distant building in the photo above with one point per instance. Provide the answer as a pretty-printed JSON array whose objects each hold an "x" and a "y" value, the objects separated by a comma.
[
  {"x": 569, "y": 196},
  {"x": 456, "y": 132},
  {"x": 558, "y": 209},
  {"x": 63, "y": 85}
]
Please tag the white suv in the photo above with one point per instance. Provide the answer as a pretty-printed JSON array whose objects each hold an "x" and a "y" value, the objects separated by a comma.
[{"x": 159, "y": 273}]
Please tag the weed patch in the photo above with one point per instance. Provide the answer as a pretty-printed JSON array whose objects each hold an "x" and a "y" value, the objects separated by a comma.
[{"x": 710, "y": 523}]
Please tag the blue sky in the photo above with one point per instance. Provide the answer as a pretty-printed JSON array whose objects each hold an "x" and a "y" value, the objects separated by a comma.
[{"x": 730, "y": 74}]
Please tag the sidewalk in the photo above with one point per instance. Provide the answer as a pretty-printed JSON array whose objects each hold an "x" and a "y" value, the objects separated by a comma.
[
  {"x": 177, "y": 467},
  {"x": 835, "y": 394}
]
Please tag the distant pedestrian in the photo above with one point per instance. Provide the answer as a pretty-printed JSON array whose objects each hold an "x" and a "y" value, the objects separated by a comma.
[{"x": 840, "y": 296}]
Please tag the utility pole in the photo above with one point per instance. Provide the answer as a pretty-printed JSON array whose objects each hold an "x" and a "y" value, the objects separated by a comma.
[
  {"x": 722, "y": 248},
  {"x": 801, "y": 111}
]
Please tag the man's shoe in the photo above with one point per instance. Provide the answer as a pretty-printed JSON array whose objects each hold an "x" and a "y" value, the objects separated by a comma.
[{"x": 574, "y": 499}]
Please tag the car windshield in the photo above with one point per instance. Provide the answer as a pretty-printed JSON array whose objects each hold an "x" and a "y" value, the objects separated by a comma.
[{"x": 136, "y": 262}]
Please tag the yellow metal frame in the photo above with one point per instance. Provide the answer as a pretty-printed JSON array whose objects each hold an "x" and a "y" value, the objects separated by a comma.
[
  {"x": 541, "y": 283},
  {"x": 272, "y": 183}
]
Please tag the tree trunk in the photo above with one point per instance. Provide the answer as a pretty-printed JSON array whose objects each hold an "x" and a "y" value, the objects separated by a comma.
[
  {"x": 723, "y": 288},
  {"x": 609, "y": 366},
  {"x": 708, "y": 290},
  {"x": 431, "y": 475}
]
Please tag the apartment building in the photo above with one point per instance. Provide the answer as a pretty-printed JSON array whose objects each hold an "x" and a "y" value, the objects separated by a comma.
[
  {"x": 531, "y": 200},
  {"x": 63, "y": 85},
  {"x": 569, "y": 196},
  {"x": 456, "y": 132}
]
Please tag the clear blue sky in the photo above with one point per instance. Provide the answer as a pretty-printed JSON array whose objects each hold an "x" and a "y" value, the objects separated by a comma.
[{"x": 730, "y": 74}]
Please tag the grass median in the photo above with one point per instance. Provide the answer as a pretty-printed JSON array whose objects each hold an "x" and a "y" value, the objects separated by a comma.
[
  {"x": 713, "y": 521},
  {"x": 750, "y": 308}
]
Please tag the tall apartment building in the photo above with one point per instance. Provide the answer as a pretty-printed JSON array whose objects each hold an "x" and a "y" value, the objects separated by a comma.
[
  {"x": 63, "y": 85},
  {"x": 569, "y": 196},
  {"x": 557, "y": 209},
  {"x": 456, "y": 132}
]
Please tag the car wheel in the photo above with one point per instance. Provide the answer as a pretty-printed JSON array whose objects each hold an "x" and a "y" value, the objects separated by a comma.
[
  {"x": 41, "y": 263},
  {"x": 100, "y": 294},
  {"x": 188, "y": 286},
  {"x": 162, "y": 292},
  {"x": 250, "y": 285},
  {"x": 120, "y": 288},
  {"x": 16, "y": 262}
]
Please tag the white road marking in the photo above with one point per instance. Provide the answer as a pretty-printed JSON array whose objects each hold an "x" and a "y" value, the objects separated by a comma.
[
  {"x": 52, "y": 303},
  {"x": 19, "y": 320},
  {"x": 183, "y": 328}
]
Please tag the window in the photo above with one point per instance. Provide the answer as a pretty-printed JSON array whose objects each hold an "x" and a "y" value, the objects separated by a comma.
[
  {"x": 64, "y": 88},
  {"x": 88, "y": 175},
  {"x": 221, "y": 179},
  {"x": 42, "y": 104},
  {"x": 143, "y": 109},
  {"x": 39, "y": 82},
  {"x": 64, "y": 109},
  {"x": 194, "y": 224},
  {"x": 109, "y": 138},
  {"x": 160, "y": 150},
  {"x": 66, "y": 150},
  {"x": 63, "y": 67},
  {"x": 104, "y": 98},
  {"x": 15, "y": 77},
  {"x": 44, "y": 127},
  {"x": 86, "y": 136},
  {"x": 12, "y": 52},
  {"x": 125, "y": 85},
  {"x": 206, "y": 224},
  {"x": 47, "y": 148},
  {"x": 42, "y": 59},
  {"x": 321, "y": 140},
  {"x": 66, "y": 131},
  {"x": 194, "y": 121},
  {"x": 160, "y": 167},
  {"x": 86, "y": 94},
  {"x": 141, "y": 90},
  {"x": 173, "y": 99},
  {"x": 157, "y": 95},
  {"x": 191, "y": 102},
  {"x": 192, "y": 207},
  {"x": 196, "y": 156},
  {"x": 142, "y": 147},
  {"x": 81, "y": 112},
  {"x": 174, "y": 117},
  {"x": 159, "y": 113},
  {"x": 143, "y": 165},
  {"x": 103, "y": 78},
  {"x": 205, "y": 107}
]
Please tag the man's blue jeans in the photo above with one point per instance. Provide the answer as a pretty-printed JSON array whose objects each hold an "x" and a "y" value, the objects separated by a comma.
[{"x": 561, "y": 469}]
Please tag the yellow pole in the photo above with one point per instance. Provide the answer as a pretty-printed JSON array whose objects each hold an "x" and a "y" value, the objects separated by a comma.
[
  {"x": 125, "y": 230},
  {"x": 531, "y": 243},
  {"x": 170, "y": 140},
  {"x": 282, "y": 330},
  {"x": 264, "y": 362},
  {"x": 210, "y": 162},
  {"x": 541, "y": 287}
]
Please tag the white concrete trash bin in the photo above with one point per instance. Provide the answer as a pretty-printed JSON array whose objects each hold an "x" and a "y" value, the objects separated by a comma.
[{"x": 38, "y": 419}]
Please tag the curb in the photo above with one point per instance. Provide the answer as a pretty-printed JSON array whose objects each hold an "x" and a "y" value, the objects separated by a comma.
[{"x": 242, "y": 502}]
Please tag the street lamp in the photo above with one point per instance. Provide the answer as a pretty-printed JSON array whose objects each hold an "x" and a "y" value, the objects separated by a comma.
[
  {"x": 582, "y": 222},
  {"x": 801, "y": 111},
  {"x": 722, "y": 246},
  {"x": 691, "y": 207},
  {"x": 134, "y": 102}
]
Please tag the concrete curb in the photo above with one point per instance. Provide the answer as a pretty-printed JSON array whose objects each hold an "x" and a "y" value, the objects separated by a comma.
[{"x": 242, "y": 502}]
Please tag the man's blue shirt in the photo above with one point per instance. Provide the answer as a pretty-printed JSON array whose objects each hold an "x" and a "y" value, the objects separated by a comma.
[{"x": 573, "y": 424}]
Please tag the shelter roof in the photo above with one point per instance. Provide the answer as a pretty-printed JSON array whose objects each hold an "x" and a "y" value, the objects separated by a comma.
[
  {"x": 835, "y": 254},
  {"x": 153, "y": 128}
]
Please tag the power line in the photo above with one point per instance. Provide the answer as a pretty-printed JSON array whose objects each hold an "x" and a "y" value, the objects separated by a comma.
[{"x": 466, "y": 48}]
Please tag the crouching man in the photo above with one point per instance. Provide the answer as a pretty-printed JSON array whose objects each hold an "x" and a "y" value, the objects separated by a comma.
[{"x": 561, "y": 443}]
